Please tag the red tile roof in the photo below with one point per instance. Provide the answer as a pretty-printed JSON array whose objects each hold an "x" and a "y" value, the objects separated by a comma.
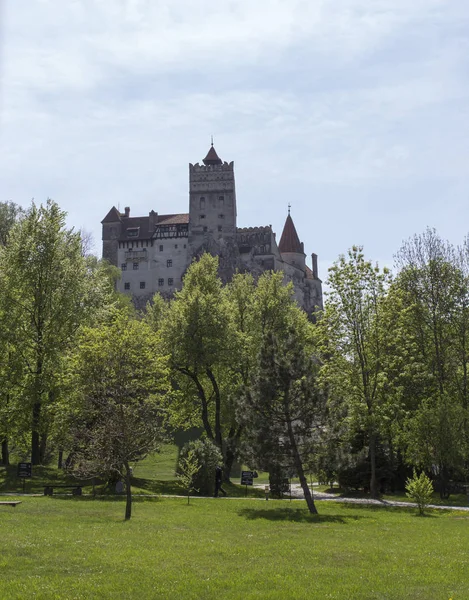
[
  {"x": 290, "y": 242},
  {"x": 173, "y": 219},
  {"x": 112, "y": 216},
  {"x": 212, "y": 157}
]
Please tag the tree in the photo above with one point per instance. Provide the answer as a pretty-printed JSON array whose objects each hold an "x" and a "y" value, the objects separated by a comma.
[
  {"x": 433, "y": 282},
  {"x": 188, "y": 467},
  {"x": 420, "y": 490},
  {"x": 48, "y": 290},
  {"x": 121, "y": 390},
  {"x": 356, "y": 338},
  {"x": 282, "y": 407},
  {"x": 197, "y": 336},
  {"x": 10, "y": 213}
]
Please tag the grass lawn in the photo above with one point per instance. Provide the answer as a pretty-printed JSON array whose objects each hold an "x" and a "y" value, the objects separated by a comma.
[{"x": 81, "y": 548}]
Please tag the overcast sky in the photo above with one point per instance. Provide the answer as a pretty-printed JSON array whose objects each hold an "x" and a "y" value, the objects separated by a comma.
[{"x": 354, "y": 111}]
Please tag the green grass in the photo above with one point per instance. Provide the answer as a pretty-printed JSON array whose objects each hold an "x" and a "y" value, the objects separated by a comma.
[{"x": 54, "y": 548}]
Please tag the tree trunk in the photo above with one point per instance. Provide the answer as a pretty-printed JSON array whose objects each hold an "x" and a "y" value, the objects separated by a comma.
[
  {"x": 128, "y": 491},
  {"x": 35, "y": 442},
  {"x": 42, "y": 448},
  {"x": 373, "y": 480},
  {"x": 5, "y": 452},
  {"x": 61, "y": 459},
  {"x": 216, "y": 391},
  {"x": 299, "y": 469},
  {"x": 229, "y": 460}
]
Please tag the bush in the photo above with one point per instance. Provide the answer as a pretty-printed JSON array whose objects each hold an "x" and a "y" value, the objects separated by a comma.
[
  {"x": 208, "y": 456},
  {"x": 279, "y": 483},
  {"x": 420, "y": 490}
]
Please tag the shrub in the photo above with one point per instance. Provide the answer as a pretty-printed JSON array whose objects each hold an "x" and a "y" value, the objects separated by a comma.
[
  {"x": 279, "y": 483},
  {"x": 208, "y": 456},
  {"x": 188, "y": 467},
  {"x": 420, "y": 490}
]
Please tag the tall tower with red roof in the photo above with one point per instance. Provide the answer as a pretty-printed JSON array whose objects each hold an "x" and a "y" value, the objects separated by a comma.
[{"x": 212, "y": 202}]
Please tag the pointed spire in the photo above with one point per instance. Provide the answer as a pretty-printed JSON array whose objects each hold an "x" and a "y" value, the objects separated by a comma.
[
  {"x": 290, "y": 242},
  {"x": 212, "y": 157}
]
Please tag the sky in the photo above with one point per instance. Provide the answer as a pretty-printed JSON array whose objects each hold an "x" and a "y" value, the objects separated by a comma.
[{"x": 356, "y": 112}]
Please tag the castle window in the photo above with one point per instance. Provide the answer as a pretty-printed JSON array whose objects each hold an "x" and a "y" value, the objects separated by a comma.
[
  {"x": 135, "y": 266},
  {"x": 169, "y": 263},
  {"x": 160, "y": 282},
  {"x": 184, "y": 245},
  {"x": 133, "y": 231},
  {"x": 127, "y": 286},
  {"x": 175, "y": 245},
  {"x": 205, "y": 228},
  {"x": 124, "y": 267},
  {"x": 220, "y": 228},
  {"x": 202, "y": 202},
  {"x": 221, "y": 216},
  {"x": 221, "y": 201},
  {"x": 170, "y": 281},
  {"x": 142, "y": 285},
  {"x": 161, "y": 248},
  {"x": 202, "y": 216}
]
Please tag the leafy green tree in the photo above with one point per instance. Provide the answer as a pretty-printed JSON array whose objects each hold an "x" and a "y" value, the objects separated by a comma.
[
  {"x": 356, "y": 336},
  {"x": 10, "y": 213},
  {"x": 420, "y": 490},
  {"x": 188, "y": 467},
  {"x": 197, "y": 336},
  {"x": 433, "y": 283},
  {"x": 48, "y": 290},
  {"x": 282, "y": 408},
  {"x": 208, "y": 456},
  {"x": 121, "y": 391}
]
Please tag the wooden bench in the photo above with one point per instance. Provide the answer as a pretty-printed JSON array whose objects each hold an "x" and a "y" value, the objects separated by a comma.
[
  {"x": 49, "y": 489},
  {"x": 12, "y": 503}
]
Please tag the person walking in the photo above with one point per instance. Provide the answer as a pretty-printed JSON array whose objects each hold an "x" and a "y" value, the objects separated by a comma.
[{"x": 218, "y": 482}]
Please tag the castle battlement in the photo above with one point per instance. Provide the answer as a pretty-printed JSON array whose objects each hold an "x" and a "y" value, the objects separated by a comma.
[
  {"x": 260, "y": 229},
  {"x": 198, "y": 168}
]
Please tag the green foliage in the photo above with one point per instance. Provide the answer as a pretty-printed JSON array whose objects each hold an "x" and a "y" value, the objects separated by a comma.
[
  {"x": 48, "y": 290},
  {"x": 356, "y": 333},
  {"x": 420, "y": 490},
  {"x": 205, "y": 454},
  {"x": 119, "y": 381},
  {"x": 434, "y": 285},
  {"x": 188, "y": 467},
  {"x": 281, "y": 410},
  {"x": 10, "y": 213}
]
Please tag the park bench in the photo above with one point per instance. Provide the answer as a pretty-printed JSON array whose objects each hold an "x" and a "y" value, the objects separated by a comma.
[
  {"x": 49, "y": 488},
  {"x": 11, "y": 503}
]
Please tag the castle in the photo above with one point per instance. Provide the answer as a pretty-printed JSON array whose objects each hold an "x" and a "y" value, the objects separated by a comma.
[{"x": 154, "y": 252}]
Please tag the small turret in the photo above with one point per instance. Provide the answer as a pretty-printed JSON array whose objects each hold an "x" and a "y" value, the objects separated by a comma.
[
  {"x": 291, "y": 249},
  {"x": 212, "y": 157}
]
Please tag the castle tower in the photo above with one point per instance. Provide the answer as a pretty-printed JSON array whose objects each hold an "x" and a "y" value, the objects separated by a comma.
[
  {"x": 212, "y": 203},
  {"x": 291, "y": 249}
]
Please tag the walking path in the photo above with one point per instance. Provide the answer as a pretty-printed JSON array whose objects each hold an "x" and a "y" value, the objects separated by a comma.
[{"x": 296, "y": 494}]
